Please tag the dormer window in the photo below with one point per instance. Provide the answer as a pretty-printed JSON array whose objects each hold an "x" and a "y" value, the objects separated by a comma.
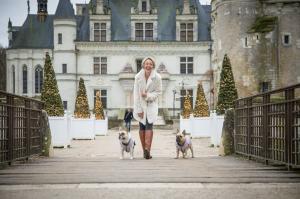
[
  {"x": 99, "y": 31},
  {"x": 186, "y": 32},
  {"x": 144, "y": 32}
]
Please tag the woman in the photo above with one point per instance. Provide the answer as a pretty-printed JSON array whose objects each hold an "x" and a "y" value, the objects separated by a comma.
[
  {"x": 127, "y": 118},
  {"x": 147, "y": 88}
]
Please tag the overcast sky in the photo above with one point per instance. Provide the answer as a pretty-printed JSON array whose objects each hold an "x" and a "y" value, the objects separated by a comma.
[{"x": 16, "y": 10}]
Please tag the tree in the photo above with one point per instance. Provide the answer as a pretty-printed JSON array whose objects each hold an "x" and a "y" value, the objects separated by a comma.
[
  {"x": 50, "y": 93},
  {"x": 99, "y": 114},
  {"x": 227, "y": 91},
  {"x": 81, "y": 105},
  {"x": 201, "y": 107},
  {"x": 187, "y": 107},
  {"x": 2, "y": 68}
]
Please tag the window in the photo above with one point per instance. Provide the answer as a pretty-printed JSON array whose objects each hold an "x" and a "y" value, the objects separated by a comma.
[
  {"x": 286, "y": 39},
  {"x": 144, "y": 31},
  {"x": 246, "y": 42},
  {"x": 103, "y": 97},
  {"x": 144, "y": 6},
  {"x": 186, "y": 32},
  {"x": 25, "y": 79},
  {"x": 65, "y": 105},
  {"x": 99, "y": 31},
  {"x": 64, "y": 68},
  {"x": 138, "y": 65},
  {"x": 59, "y": 38},
  {"x": 186, "y": 65},
  {"x": 183, "y": 93},
  {"x": 139, "y": 32},
  {"x": 100, "y": 65},
  {"x": 265, "y": 86},
  {"x": 14, "y": 78},
  {"x": 38, "y": 79},
  {"x": 149, "y": 31}
]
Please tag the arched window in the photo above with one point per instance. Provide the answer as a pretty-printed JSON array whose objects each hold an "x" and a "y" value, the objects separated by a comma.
[
  {"x": 14, "y": 78},
  {"x": 38, "y": 79},
  {"x": 25, "y": 79}
]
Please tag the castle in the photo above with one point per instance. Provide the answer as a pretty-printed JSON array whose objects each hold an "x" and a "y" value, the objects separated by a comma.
[
  {"x": 105, "y": 42},
  {"x": 262, "y": 39}
]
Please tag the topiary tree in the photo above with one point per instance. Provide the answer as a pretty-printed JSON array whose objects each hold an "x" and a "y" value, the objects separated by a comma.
[
  {"x": 187, "y": 107},
  {"x": 50, "y": 93},
  {"x": 227, "y": 91},
  {"x": 201, "y": 108},
  {"x": 99, "y": 114},
  {"x": 81, "y": 105}
]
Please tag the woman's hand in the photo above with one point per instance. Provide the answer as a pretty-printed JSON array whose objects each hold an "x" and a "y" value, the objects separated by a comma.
[
  {"x": 144, "y": 94},
  {"x": 141, "y": 115}
]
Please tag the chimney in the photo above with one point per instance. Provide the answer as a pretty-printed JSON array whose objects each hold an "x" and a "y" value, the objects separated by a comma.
[
  {"x": 99, "y": 7},
  {"x": 186, "y": 7}
]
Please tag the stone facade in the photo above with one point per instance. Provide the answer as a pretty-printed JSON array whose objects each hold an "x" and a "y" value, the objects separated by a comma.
[{"x": 261, "y": 39}]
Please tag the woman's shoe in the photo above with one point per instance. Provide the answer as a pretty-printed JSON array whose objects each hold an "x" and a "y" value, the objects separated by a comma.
[{"x": 147, "y": 154}]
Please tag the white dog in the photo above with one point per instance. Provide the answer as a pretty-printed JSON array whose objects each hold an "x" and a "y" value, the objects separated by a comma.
[{"x": 127, "y": 143}]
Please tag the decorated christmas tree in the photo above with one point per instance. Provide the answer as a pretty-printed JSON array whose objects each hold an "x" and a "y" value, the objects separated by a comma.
[
  {"x": 227, "y": 90},
  {"x": 201, "y": 108},
  {"x": 187, "y": 107},
  {"x": 99, "y": 114},
  {"x": 50, "y": 93},
  {"x": 81, "y": 105}
]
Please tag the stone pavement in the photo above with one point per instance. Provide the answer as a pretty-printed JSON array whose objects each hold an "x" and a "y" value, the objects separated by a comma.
[{"x": 92, "y": 169}]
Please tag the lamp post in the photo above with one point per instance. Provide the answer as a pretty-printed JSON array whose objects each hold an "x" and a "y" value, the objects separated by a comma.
[{"x": 174, "y": 93}]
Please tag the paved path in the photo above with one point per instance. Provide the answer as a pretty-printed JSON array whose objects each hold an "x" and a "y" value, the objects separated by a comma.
[{"x": 92, "y": 169}]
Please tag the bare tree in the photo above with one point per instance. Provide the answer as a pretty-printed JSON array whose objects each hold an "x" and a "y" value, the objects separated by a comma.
[{"x": 2, "y": 68}]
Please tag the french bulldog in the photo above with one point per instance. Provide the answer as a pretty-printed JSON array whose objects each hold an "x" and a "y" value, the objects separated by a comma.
[
  {"x": 127, "y": 143},
  {"x": 183, "y": 143}
]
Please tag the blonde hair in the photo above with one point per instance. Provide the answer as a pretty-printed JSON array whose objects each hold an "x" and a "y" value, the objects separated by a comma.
[{"x": 150, "y": 58}]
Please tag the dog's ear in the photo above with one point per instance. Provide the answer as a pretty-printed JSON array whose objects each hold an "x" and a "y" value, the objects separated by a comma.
[{"x": 184, "y": 132}]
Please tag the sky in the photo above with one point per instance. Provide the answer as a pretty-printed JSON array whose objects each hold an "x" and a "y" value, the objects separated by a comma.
[{"x": 16, "y": 10}]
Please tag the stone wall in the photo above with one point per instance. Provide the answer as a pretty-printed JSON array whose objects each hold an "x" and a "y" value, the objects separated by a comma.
[{"x": 265, "y": 58}]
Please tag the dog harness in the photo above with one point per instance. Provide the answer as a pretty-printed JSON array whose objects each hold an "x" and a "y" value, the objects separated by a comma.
[
  {"x": 185, "y": 145},
  {"x": 129, "y": 144}
]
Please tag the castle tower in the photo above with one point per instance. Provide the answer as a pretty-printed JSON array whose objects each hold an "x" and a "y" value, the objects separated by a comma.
[
  {"x": 230, "y": 22},
  {"x": 252, "y": 33},
  {"x": 64, "y": 53}
]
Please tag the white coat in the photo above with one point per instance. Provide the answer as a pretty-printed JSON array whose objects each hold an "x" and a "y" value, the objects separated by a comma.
[{"x": 149, "y": 104}]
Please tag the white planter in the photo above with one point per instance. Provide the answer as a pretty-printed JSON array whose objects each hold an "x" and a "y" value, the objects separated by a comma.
[
  {"x": 185, "y": 124},
  {"x": 201, "y": 126},
  {"x": 217, "y": 126},
  {"x": 101, "y": 127},
  {"x": 60, "y": 135},
  {"x": 82, "y": 128}
]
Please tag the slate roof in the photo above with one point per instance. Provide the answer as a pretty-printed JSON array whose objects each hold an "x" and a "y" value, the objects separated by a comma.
[
  {"x": 35, "y": 34},
  {"x": 65, "y": 10}
]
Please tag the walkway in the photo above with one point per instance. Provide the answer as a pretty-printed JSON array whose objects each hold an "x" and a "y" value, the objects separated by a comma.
[{"x": 92, "y": 169}]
